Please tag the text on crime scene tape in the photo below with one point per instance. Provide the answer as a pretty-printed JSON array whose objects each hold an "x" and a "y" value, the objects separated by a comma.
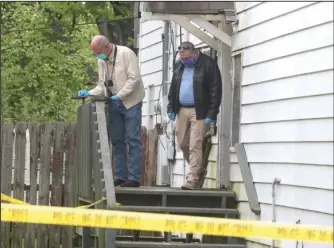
[{"x": 163, "y": 222}]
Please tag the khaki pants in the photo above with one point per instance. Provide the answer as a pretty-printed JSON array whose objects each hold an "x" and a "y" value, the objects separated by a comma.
[{"x": 190, "y": 134}]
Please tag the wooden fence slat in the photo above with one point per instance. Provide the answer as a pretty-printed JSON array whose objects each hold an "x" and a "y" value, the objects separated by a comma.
[
  {"x": 19, "y": 172},
  {"x": 145, "y": 163},
  {"x": 7, "y": 139},
  {"x": 57, "y": 177},
  {"x": 143, "y": 158},
  {"x": 54, "y": 150},
  {"x": 70, "y": 134},
  {"x": 147, "y": 153},
  {"x": 44, "y": 179},
  {"x": 84, "y": 145},
  {"x": 152, "y": 150},
  {"x": 34, "y": 134}
]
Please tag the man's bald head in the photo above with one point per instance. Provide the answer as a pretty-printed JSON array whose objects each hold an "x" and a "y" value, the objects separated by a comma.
[{"x": 100, "y": 45}]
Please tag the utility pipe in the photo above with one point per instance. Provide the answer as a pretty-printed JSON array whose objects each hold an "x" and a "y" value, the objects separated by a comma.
[
  {"x": 165, "y": 66},
  {"x": 273, "y": 194}
]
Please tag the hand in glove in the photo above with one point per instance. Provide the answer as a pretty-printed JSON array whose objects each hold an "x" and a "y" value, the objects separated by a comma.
[
  {"x": 116, "y": 99},
  {"x": 208, "y": 121},
  {"x": 171, "y": 116},
  {"x": 83, "y": 93}
]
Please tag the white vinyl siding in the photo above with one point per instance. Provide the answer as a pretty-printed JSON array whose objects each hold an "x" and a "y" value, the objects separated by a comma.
[
  {"x": 287, "y": 112},
  {"x": 286, "y": 116},
  {"x": 150, "y": 61}
]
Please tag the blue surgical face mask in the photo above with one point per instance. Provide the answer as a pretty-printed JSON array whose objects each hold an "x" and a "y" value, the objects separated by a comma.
[
  {"x": 102, "y": 56},
  {"x": 189, "y": 60}
]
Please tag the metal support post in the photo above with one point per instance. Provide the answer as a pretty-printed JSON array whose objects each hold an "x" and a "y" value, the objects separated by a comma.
[
  {"x": 136, "y": 27},
  {"x": 224, "y": 122},
  {"x": 164, "y": 166},
  {"x": 165, "y": 66},
  {"x": 150, "y": 113}
]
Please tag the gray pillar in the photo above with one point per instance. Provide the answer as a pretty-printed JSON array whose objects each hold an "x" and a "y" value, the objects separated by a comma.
[{"x": 224, "y": 119}]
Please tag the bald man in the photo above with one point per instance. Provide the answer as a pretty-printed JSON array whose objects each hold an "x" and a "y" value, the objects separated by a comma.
[{"x": 119, "y": 79}]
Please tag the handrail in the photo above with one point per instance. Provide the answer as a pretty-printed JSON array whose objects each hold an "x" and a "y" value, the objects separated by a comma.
[
  {"x": 100, "y": 156},
  {"x": 104, "y": 152},
  {"x": 247, "y": 177}
]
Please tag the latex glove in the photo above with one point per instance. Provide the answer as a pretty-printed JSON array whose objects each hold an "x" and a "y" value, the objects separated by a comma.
[
  {"x": 83, "y": 93},
  {"x": 115, "y": 98},
  {"x": 208, "y": 121},
  {"x": 171, "y": 116}
]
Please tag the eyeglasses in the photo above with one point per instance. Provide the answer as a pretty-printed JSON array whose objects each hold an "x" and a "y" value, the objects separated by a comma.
[{"x": 184, "y": 48}]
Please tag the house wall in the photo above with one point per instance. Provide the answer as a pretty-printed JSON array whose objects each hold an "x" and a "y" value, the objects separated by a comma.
[
  {"x": 150, "y": 60},
  {"x": 287, "y": 111}
]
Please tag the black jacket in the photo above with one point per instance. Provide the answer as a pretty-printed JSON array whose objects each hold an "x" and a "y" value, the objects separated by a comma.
[{"x": 207, "y": 88}]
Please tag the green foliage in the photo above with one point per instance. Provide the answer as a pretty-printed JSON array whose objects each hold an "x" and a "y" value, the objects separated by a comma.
[{"x": 45, "y": 56}]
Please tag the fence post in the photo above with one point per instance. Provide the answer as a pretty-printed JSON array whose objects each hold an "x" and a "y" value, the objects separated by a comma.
[
  {"x": 69, "y": 183},
  {"x": 7, "y": 141},
  {"x": 44, "y": 179},
  {"x": 19, "y": 170},
  {"x": 34, "y": 136},
  {"x": 57, "y": 177}
]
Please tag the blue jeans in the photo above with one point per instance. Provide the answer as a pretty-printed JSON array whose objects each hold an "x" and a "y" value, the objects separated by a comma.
[{"x": 125, "y": 128}]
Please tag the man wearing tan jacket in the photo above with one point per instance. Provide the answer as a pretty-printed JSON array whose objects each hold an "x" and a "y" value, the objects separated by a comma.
[{"x": 119, "y": 79}]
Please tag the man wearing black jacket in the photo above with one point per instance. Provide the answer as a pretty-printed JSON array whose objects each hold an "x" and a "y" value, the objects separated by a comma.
[{"x": 194, "y": 97}]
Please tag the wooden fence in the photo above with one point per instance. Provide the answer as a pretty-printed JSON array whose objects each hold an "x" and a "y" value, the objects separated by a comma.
[{"x": 39, "y": 166}]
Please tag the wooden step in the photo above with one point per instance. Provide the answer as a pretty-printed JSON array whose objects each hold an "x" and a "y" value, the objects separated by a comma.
[
  {"x": 145, "y": 190},
  {"x": 209, "y": 212},
  {"x": 154, "y": 239},
  {"x": 128, "y": 244},
  {"x": 175, "y": 197}
]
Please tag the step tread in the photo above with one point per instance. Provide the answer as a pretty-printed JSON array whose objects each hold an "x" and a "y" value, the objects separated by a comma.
[
  {"x": 190, "y": 210},
  {"x": 129, "y": 244},
  {"x": 174, "y": 191},
  {"x": 153, "y": 239}
]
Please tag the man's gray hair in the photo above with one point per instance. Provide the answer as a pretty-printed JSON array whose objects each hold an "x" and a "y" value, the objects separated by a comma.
[
  {"x": 188, "y": 44},
  {"x": 104, "y": 42}
]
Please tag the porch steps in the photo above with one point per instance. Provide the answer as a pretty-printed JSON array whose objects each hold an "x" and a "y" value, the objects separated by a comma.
[
  {"x": 124, "y": 244},
  {"x": 203, "y": 202}
]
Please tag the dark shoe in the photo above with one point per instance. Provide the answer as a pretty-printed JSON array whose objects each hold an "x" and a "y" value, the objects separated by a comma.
[
  {"x": 130, "y": 183},
  {"x": 191, "y": 186},
  {"x": 118, "y": 182}
]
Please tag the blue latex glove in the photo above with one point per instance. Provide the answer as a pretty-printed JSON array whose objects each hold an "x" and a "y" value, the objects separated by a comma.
[
  {"x": 171, "y": 116},
  {"x": 116, "y": 99},
  {"x": 83, "y": 93},
  {"x": 208, "y": 121}
]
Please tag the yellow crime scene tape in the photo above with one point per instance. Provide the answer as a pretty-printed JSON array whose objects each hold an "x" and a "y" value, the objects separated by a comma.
[
  {"x": 162, "y": 222},
  {"x": 10, "y": 199}
]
